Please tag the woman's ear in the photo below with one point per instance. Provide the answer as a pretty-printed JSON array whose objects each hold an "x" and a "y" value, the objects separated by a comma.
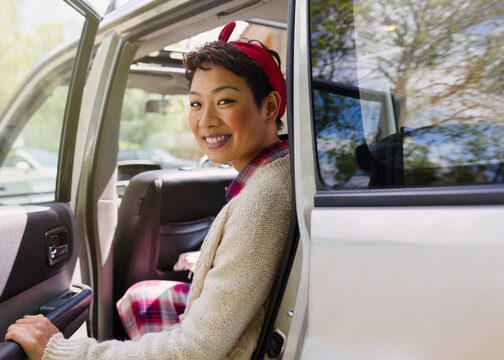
[{"x": 272, "y": 106}]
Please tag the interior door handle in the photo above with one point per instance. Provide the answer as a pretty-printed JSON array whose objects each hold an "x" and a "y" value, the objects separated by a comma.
[
  {"x": 56, "y": 245},
  {"x": 55, "y": 252},
  {"x": 61, "y": 311}
]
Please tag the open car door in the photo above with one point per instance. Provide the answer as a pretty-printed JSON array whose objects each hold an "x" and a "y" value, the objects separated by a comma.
[
  {"x": 38, "y": 122},
  {"x": 400, "y": 201}
]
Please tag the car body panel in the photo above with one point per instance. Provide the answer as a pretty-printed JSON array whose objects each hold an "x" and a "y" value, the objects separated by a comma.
[
  {"x": 384, "y": 286},
  {"x": 400, "y": 273},
  {"x": 28, "y": 176}
]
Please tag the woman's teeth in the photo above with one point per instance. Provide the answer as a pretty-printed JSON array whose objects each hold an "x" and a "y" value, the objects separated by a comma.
[{"x": 216, "y": 139}]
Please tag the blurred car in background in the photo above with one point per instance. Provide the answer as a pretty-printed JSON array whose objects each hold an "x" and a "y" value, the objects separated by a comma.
[
  {"x": 164, "y": 159},
  {"x": 131, "y": 162},
  {"x": 28, "y": 175}
]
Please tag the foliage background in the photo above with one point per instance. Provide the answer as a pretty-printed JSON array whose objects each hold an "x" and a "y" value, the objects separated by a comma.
[
  {"x": 29, "y": 30},
  {"x": 438, "y": 62}
]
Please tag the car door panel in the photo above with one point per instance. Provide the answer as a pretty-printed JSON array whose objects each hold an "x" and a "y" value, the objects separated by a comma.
[
  {"x": 38, "y": 239},
  {"x": 11, "y": 351},
  {"x": 408, "y": 266},
  {"x": 418, "y": 289},
  {"x": 33, "y": 237},
  {"x": 66, "y": 311},
  {"x": 45, "y": 227},
  {"x": 29, "y": 301},
  {"x": 70, "y": 309}
]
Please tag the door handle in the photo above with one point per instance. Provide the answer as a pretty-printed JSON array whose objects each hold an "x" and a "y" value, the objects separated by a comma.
[
  {"x": 55, "y": 252},
  {"x": 56, "y": 245}
]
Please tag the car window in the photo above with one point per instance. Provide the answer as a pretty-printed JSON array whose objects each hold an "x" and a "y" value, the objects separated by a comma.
[
  {"x": 407, "y": 93},
  {"x": 33, "y": 94},
  {"x": 154, "y": 128}
]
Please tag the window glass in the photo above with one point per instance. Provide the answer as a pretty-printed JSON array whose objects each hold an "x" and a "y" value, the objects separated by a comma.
[
  {"x": 36, "y": 59},
  {"x": 408, "y": 93},
  {"x": 154, "y": 129},
  {"x": 154, "y": 132}
]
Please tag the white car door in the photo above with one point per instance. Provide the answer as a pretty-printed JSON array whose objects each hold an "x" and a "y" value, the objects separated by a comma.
[{"x": 399, "y": 168}]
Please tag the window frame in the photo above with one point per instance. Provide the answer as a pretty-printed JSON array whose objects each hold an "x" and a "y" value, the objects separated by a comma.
[
  {"x": 477, "y": 194},
  {"x": 74, "y": 100}
]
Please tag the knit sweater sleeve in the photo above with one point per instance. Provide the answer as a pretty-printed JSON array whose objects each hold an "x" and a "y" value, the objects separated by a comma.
[{"x": 251, "y": 230}]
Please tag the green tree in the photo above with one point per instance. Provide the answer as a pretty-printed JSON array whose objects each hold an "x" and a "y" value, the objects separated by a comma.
[
  {"x": 167, "y": 131},
  {"x": 29, "y": 31},
  {"x": 23, "y": 42},
  {"x": 436, "y": 52},
  {"x": 418, "y": 169},
  {"x": 332, "y": 42}
]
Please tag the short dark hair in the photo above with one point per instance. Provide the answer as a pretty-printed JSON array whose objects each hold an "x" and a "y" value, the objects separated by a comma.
[{"x": 238, "y": 62}]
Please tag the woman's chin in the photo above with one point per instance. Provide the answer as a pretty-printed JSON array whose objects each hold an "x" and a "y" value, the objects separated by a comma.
[{"x": 217, "y": 159}]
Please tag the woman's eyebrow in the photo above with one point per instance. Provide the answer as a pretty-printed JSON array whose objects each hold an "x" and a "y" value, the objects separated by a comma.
[
  {"x": 216, "y": 90},
  {"x": 220, "y": 88}
]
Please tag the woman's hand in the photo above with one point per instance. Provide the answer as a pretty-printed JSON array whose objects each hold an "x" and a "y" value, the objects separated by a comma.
[
  {"x": 182, "y": 263},
  {"x": 187, "y": 261},
  {"x": 33, "y": 334}
]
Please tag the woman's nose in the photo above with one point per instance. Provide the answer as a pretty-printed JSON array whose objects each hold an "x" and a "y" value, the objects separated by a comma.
[{"x": 209, "y": 117}]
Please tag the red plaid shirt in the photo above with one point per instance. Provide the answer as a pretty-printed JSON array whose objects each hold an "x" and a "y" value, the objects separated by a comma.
[{"x": 274, "y": 152}]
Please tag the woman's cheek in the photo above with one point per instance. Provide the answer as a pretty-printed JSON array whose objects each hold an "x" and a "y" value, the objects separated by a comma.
[{"x": 193, "y": 123}]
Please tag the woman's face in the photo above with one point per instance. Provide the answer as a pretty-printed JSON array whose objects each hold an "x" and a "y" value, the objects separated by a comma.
[{"x": 225, "y": 119}]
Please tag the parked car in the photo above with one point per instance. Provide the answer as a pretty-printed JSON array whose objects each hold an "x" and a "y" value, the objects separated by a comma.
[
  {"x": 394, "y": 121},
  {"x": 28, "y": 175},
  {"x": 131, "y": 162},
  {"x": 164, "y": 159}
]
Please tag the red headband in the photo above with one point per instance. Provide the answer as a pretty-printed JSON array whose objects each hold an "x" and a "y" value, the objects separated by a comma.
[{"x": 264, "y": 59}]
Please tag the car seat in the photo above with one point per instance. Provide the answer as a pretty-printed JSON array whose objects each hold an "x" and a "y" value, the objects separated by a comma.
[{"x": 164, "y": 213}]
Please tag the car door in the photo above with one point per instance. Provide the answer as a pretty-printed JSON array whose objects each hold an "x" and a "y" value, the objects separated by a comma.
[
  {"x": 400, "y": 200},
  {"x": 46, "y": 51}
]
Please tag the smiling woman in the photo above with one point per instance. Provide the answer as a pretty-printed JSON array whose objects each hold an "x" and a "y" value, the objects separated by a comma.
[
  {"x": 216, "y": 117},
  {"x": 222, "y": 93}
]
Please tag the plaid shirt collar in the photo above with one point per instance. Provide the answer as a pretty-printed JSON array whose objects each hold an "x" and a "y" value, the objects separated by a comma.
[{"x": 274, "y": 152}]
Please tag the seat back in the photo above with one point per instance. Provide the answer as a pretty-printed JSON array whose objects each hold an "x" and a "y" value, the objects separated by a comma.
[{"x": 164, "y": 213}]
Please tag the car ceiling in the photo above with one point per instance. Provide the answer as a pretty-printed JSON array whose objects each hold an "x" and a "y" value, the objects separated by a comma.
[
  {"x": 158, "y": 82},
  {"x": 271, "y": 10},
  {"x": 171, "y": 80}
]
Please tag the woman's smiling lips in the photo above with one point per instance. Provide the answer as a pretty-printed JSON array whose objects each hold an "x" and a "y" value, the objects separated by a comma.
[{"x": 215, "y": 141}]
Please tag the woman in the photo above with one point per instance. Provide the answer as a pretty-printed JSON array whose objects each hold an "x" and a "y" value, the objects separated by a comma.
[{"x": 237, "y": 95}]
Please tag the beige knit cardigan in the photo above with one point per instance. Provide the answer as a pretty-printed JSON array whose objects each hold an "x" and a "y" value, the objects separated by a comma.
[{"x": 233, "y": 277}]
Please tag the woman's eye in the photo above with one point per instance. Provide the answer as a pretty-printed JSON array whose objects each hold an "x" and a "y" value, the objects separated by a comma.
[
  {"x": 195, "y": 104},
  {"x": 225, "y": 101}
]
